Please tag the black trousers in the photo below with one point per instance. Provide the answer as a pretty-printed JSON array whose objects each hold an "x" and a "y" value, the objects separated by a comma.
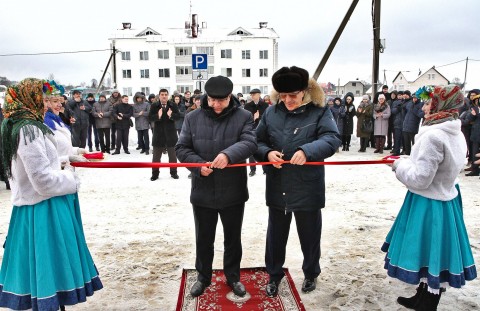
[
  {"x": 346, "y": 140},
  {"x": 143, "y": 140},
  {"x": 122, "y": 139},
  {"x": 92, "y": 127},
  {"x": 114, "y": 137},
  {"x": 104, "y": 137},
  {"x": 475, "y": 150},
  {"x": 309, "y": 229},
  {"x": 364, "y": 143},
  {"x": 79, "y": 137},
  {"x": 390, "y": 135},
  {"x": 157, "y": 157},
  {"x": 205, "y": 226},
  {"x": 408, "y": 142},
  {"x": 397, "y": 140}
]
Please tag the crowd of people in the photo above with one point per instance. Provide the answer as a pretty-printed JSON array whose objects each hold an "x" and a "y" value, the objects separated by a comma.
[
  {"x": 43, "y": 133},
  {"x": 392, "y": 120}
]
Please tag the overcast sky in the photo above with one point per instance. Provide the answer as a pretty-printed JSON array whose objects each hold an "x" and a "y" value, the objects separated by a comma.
[{"x": 419, "y": 34}]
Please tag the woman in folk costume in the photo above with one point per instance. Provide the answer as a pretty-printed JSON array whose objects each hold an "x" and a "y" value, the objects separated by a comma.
[
  {"x": 428, "y": 243},
  {"x": 46, "y": 263},
  {"x": 63, "y": 137}
]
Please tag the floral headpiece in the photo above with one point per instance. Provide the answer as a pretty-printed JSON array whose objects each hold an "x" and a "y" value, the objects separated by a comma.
[
  {"x": 51, "y": 88},
  {"x": 425, "y": 92}
]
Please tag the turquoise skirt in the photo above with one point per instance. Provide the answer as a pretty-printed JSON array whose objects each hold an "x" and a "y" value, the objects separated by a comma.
[
  {"x": 46, "y": 262},
  {"x": 429, "y": 240}
]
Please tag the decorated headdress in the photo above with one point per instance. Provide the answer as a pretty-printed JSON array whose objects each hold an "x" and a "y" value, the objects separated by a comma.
[
  {"x": 51, "y": 88},
  {"x": 23, "y": 108},
  {"x": 445, "y": 103},
  {"x": 425, "y": 92}
]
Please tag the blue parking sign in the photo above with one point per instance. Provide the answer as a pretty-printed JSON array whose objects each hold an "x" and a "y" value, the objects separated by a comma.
[{"x": 199, "y": 61}]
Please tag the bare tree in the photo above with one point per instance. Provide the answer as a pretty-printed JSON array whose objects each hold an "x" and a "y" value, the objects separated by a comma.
[{"x": 94, "y": 83}]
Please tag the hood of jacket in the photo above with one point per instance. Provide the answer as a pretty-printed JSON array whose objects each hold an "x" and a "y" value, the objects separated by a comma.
[
  {"x": 314, "y": 93},
  {"x": 137, "y": 95}
]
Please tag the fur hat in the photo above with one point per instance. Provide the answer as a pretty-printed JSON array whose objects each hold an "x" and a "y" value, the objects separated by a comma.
[
  {"x": 218, "y": 87},
  {"x": 407, "y": 92},
  {"x": 290, "y": 79}
]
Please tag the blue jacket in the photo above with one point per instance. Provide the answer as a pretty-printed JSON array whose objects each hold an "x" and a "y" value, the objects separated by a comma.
[
  {"x": 339, "y": 113},
  {"x": 397, "y": 115},
  {"x": 413, "y": 116},
  {"x": 475, "y": 134},
  {"x": 310, "y": 128}
]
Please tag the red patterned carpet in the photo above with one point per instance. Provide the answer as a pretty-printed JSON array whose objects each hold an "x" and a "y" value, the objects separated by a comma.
[{"x": 219, "y": 297}]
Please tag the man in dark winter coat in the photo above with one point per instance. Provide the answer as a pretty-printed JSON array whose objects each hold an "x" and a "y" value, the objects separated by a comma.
[
  {"x": 257, "y": 107},
  {"x": 218, "y": 133},
  {"x": 411, "y": 123},
  {"x": 164, "y": 113},
  {"x": 78, "y": 111},
  {"x": 397, "y": 116},
  {"x": 298, "y": 128},
  {"x": 122, "y": 113}
]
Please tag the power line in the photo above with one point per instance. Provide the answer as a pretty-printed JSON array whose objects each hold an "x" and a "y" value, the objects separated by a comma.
[
  {"x": 459, "y": 61},
  {"x": 53, "y": 53}
]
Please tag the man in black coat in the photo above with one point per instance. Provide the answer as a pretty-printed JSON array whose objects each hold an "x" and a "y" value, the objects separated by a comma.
[
  {"x": 257, "y": 107},
  {"x": 299, "y": 128},
  {"x": 78, "y": 111},
  {"x": 164, "y": 113},
  {"x": 122, "y": 114},
  {"x": 219, "y": 133}
]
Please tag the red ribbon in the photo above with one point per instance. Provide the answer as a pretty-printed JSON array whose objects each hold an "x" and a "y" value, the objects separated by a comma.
[{"x": 159, "y": 164}]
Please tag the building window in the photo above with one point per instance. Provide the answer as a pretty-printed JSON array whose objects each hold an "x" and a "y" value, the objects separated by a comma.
[
  {"x": 357, "y": 93},
  {"x": 164, "y": 73},
  {"x": 144, "y": 55},
  {"x": 127, "y": 91},
  {"x": 127, "y": 74},
  {"x": 184, "y": 70},
  {"x": 205, "y": 50},
  {"x": 227, "y": 72},
  {"x": 144, "y": 73},
  {"x": 264, "y": 72},
  {"x": 263, "y": 89},
  {"x": 183, "y": 51},
  {"x": 245, "y": 54},
  {"x": 264, "y": 54},
  {"x": 246, "y": 73},
  {"x": 401, "y": 87},
  {"x": 125, "y": 55},
  {"x": 210, "y": 70},
  {"x": 145, "y": 90},
  {"x": 245, "y": 89},
  {"x": 431, "y": 76},
  {"x": 163, "y": 54},
  {"x": 183, "y": 88},
  {"x": 354, "y": 83},
  {"x": 226, "y": 53}
]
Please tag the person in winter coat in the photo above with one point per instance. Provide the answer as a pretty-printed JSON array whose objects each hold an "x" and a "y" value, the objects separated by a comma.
[
  {"x": 102, "y": 112},
  {"x": 256, "y": 107},
  {"x": 91, "y": 126},
  {"x": 428, "y": 243},
  {"x": 182, "y": 109},
  {"x": 339, "y": 112},
  {"x": 474, "y": 118},
  {"x": 142, "y": 124},
  {"x": 348, "y": 121},
  {"x": 78, "y": 111},
  {"x": 464, "y": 112},
  {"x": 114, "y": 99},
  {"x": 46, "y": 262},
  {"x": 391, "y": 127},
  {"x": 299, "y": 128},
  {"x": 381, "y": 114},
  {"x": 164, "y": 113},
  {"x": 413, "y": 116},
  {"x": 122, "y": 112},
  {"x": 397, "y": 115},
  {"x": 364, "y": 114},
  {"x": 218, "y": 133}
]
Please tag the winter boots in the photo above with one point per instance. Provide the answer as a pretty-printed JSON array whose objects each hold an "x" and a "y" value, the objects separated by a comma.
[{"x": 423, "y": 300}]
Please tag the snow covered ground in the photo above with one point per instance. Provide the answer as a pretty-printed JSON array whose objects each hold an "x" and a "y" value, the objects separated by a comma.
[{"x": 141, "y": 236}]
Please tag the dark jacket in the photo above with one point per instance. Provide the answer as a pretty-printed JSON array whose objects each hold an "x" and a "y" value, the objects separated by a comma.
[
  {"x": 475, "y": 119},
  {"x": 367, "y": 113},
  {"x": 349, "y": 114},
  {"x": 397, "y": 114},
  {"x": 413, "y": 116},
  {"x": 261, "y": 107},
  {"x": 182, "y": 109},
  {"x": 164, "y": 132},
  {"x": 127, "y": 111},
  {"x": 338, "y": 112},
  {"x": 82, "y": 117},
  {"x": 204, "y": 135},
  {"x": 310, "y": 128}
]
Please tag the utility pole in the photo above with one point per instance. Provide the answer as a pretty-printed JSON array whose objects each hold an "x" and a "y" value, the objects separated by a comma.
[
  {"x": 335, "y": 40},
  {"x": 376, "y": 46},
  {"x": 114, "y": 55},
  {"x": 465, "y": 78}
]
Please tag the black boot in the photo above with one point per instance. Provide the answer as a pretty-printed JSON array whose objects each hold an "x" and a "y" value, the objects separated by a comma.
[
  {"x": 428, "y": 301},
  {"x": 412, "y": 302},
  {"x": 343, "y": 149}
]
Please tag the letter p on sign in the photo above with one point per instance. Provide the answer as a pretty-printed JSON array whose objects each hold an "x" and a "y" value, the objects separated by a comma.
[{"x": 199, "y": 61}]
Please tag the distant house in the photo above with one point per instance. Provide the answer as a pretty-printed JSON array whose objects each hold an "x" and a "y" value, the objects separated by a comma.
[
  {"x": 405, "y": 81},
  {"x": 355, "y": 87}
]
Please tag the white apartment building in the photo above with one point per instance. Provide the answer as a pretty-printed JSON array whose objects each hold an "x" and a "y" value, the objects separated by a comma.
[{"x": 150, "y": 59}]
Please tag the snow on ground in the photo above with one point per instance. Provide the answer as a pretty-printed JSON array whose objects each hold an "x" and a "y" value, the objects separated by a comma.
[{"x": 141, "y": 236}]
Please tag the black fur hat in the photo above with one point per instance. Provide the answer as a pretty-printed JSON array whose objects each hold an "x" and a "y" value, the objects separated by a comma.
[
  {"x": 218, "y": 87},
  {"x": 290, "y": 79}
]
